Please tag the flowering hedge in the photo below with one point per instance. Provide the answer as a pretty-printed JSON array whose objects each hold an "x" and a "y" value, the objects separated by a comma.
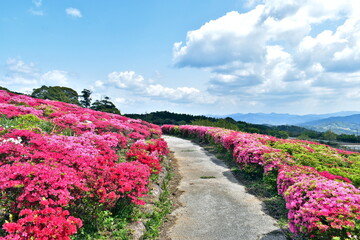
[
  {"x": 58, "y": 161},
  {"x": 318, "y": 183}
]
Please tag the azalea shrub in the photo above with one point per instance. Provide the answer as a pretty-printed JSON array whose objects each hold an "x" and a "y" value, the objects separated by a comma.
[
  {"x": 47, "y": 223},
  {"x": 60, "y": 163},
  {"x": 319, "y": 183}
]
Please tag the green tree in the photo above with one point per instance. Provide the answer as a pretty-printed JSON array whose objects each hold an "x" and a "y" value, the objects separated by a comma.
[
  {"x": 105, "y": 105},
  {"x": 253, "y": 130},
  {"x": 303, "y": 136},
  {"x": 282, "y": 134},
  {"x": 329, "y": 135},
  {"x": 347, "y": 138},
  {"x": 5, "y": 89},
  {"x": 62, "y": 94},
  {"x": 85, "y": 96}
]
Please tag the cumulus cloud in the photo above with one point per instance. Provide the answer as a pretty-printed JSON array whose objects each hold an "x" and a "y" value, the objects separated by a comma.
[
  {"x": 37, "y": 3},
  {"x": 74, "y": 12},
  {"x": 126, "y": 80},
  {"x": 22, "y": 75},
  {"x": 55, "y": 77},
  {"x": 99, "y": 84},
  {"x": 179, "y": 94},
  {"x": 284, "y": 49},
  {"x": 120, "y": 100},
  {"x": 223, "y": 40},
  {"x": 16, "y": 79},
  {"x": 19, "y": 66},
  {"x": 136, "y": 84},
  {"x": 36, "y": 10}
]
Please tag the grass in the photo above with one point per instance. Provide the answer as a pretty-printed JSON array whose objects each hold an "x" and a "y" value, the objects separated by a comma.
[
  {"x": 163, "y": 207},
  {"x": 207, "y": 177},
  {"x": 190, "y": 150}
]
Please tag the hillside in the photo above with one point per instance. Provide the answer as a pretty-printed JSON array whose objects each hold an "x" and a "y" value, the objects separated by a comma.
[
  {"x": 70, "y": 171},
  {"x": 340, "y": 125},
  {"x": 283, "y": 119},
  {"x": 165, "y": 117}
]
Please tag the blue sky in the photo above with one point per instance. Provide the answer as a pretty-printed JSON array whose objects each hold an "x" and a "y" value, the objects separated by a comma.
[{"x": 199, "y": 57}]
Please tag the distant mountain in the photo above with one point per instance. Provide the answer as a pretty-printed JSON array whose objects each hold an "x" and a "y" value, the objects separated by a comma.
[
  {"x": 282, "y": 119},
  {"x": 347, "y": 125}
]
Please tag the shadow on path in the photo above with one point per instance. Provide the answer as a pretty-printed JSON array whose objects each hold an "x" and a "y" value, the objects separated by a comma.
[{"x": 214, "y": 204}]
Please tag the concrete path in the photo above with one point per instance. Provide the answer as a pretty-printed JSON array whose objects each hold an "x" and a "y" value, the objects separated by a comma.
[{"x": 214, "y": 205}]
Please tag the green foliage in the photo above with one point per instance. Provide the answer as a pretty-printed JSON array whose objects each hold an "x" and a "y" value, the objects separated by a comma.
[
  {"x": 278, "y": 133},
  {"x": 157, "y": 217},
  {"x": 323, "y": 158},
  {"x": 165, "y": 117},
  {"x": 207, "y": 177},
  {"x": 85, "y": 98},
  {"x": 223, "y": 123},
  {"x": 108, "y": 224},
  {"x": 284, "y": 131},
  {"x": 29, "y": 122},
  {"x": 3, "y": 88},
  {"x": 348, "y": 138},
  {"x": 62, "y": 94},
  {"x": 303, "y": 136},
  {"x": 47, "y": 110},
  {"x": 329, "y": 135},
  {"x": 105, "y": 105}
]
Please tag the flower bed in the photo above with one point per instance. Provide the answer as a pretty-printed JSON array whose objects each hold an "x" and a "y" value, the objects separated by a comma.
[
  {"x": 318, "y": 183},
  {"x": 60, "y": 163}
]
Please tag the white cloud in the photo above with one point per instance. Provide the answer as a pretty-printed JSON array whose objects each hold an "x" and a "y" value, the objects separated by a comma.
[
  {"x": 36, "y": 12},
  {"x": 20, "y": 72},
  {"x": 171, "y": 93},
  {"x": 179, "y": 94},
  {"x": 37, "y": 3},
  {"x": 17, "y": 80},
  {"x": 99, "y": 84},
  {"x": 223, "y": 40},
  {"x": 136, "y": 85},
  {"x": 55, "y": 77},
  {"x": 74, "y": 12},
  {"x": 120, "y": 100},
  {"x": 126, "y": 80},
  {"x": 19, "y": 66},
  {"x": 280, "y": 49}
]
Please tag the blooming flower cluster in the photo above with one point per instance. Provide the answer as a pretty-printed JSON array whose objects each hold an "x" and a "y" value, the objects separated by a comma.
[
  {"x": 321, "y": 204},
  {"x": 318, "y": 205},
  {"x": 149, "y": 153},
  {"x": 77, "y": 159},
  {"x": 45, "y": 224}
]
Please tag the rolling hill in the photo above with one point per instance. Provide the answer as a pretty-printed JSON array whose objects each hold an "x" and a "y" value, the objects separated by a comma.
[
  {"x": 282, "y": 118},
  {"x": 346, "y": 125}
]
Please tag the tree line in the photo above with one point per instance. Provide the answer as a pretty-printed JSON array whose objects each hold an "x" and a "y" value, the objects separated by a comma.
[
  {"x": 68, "y": 95},
  {"x": 282, "y": 131}
]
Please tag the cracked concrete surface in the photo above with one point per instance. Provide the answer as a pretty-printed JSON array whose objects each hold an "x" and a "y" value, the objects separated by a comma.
[{"x": 214, "y": 205}]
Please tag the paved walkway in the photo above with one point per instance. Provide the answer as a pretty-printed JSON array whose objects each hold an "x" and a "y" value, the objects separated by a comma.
[{"x": 214, "y": 205}]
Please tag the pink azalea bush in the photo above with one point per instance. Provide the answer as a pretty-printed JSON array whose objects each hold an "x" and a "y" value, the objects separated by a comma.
[
  {"x": 45, "y": 224},
  {"x": 318, "y": 206},
  {"x": 321, "y": 204},
  {"x": 58, "y": 159}
]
